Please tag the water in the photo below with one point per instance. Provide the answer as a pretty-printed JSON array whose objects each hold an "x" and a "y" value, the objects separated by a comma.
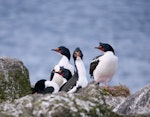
[{"x": 29, "y": 29}]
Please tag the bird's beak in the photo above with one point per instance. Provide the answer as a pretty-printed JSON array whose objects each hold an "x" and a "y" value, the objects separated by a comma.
[
  {"x": 53, "y": 49},
  {"x": 99, "y": 47},
  {"x": 59, "y": 72},
  {"x": 56, "y": 50},
  {"x": 96, "y": 47}
]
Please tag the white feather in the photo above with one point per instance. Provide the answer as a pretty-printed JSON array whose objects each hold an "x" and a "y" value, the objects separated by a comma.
[
  {"x": 58, "y": 79},
  {"x": 106, "y": 67},
  {"x": 82, "y": 80},
  {"x": 64, "y": 62},
  {"x": 52, "y": 84}
]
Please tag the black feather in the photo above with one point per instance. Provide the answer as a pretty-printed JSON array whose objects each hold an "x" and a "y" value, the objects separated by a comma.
[
  {"x": 66, "y": 73},
  {"x": 94, "y": 64},
  {"x": 47, "y": 90},
  {"x": 52, "y": 74},
  {"x": 39, "y": 86},
  {"x": 70, "y": 83}
]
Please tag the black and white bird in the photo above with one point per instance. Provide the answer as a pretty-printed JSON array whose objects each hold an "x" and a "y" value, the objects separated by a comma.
[
  {"x": 39, "y": 86},
  {"x": 45, "y": 86},
  {"x": 79, "y": 80},
  {"x": 66, "y": 75},
  {"x": 64, "y": 62},
  {"x": 103, "y": 67}
]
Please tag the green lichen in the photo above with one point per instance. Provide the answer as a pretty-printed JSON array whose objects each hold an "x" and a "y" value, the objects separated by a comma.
[
  {"x": 14, "y": 81},
  {"x": 102, "y": 111}
]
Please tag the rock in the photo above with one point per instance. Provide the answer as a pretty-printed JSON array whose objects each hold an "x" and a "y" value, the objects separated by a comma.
[
  {"x": 137, "y": 104},
  {"x": 14, "y": 79},
  {"x": 55, "y": 105},
  {"x": 85, "y": 103},
  {"x": 91, "y": 101},
  {"x": 106, "y": 96}
]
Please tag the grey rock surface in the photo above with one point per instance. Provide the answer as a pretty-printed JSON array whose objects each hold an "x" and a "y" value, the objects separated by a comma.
[
  {"x": 137, "y": 104},
  {"x": 14, "y": 79},
  {"x": 90, "y": 104}
]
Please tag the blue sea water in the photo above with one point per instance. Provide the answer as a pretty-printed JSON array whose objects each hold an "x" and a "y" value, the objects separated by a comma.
[{"x": 29, "y": 29}]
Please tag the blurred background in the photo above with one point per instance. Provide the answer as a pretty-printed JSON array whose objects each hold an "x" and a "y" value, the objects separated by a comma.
[{"x": 29, "y": 29}]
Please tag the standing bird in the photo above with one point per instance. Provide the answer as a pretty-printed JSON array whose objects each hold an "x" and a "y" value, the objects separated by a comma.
[
  {"x": 79, "y": 80},
  {"x": 64, "y": 62},
  {"x": 103, "y": 67}
]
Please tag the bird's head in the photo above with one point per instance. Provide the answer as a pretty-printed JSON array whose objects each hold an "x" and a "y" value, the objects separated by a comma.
[
  {"x": 64, "y": 73},
  {"x": 77, "y": 53},
  {"x": 104, "y": 47},
  {"x": 63, "y": 51}
]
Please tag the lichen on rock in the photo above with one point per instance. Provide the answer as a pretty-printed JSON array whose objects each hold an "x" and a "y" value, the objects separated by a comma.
[
  {"x": 14, "y": 79},
  {"x": 55, "y": 105},
  {"x": 87, "y": 102}
]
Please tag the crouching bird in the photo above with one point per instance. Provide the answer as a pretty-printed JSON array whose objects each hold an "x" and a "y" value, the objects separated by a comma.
[
  {"x": 45, "y": 86},
  {"x": 103, "y": 67}
]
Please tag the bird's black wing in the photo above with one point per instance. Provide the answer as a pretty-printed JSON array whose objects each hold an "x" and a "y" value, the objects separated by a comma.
[
  {"x": 96, "y": 57},
  {"x": 68, "y": 76},
  {"x": 39, "y": 86},
  {"x": 49, "y": 89},
  {"x": 52, "y": 74},
  {"x": 93, "y": 64},
  {"x": 70, "y": 83}
]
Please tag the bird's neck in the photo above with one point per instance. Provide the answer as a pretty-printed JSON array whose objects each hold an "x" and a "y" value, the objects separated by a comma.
[
  {"x": 108, "y": 53},
  {"x": 80, "y": 67},
  {"x": 63, "y": 60}
]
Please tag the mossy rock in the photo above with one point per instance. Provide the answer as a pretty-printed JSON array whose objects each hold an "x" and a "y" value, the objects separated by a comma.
[
  {"x": 56, "y": 105},
  {"x": 119, "y": 90},
  {"x": 14, "y": 79}
]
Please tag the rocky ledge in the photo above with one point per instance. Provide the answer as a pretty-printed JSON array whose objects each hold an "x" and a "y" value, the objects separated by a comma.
[{"x": 92, "y": 101}]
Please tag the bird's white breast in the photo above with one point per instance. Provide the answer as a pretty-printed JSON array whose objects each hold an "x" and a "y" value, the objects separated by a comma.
[
  {"x": 82, "y": 80},
  {"x": 64, "y": 62},
  {"x": 52, "y": 84},
  {"x": 106, "y": 67},
  {"x": 58, "y": 79}
]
